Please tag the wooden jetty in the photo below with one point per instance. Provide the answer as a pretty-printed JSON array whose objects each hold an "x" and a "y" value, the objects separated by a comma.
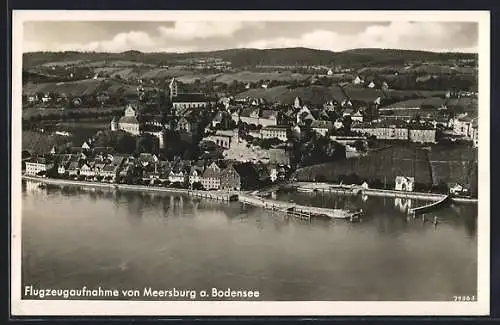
[{"x": 301, "y": 211}]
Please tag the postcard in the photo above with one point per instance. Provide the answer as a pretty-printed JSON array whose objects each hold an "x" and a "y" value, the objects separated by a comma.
[{"x": 289, "y": 163}]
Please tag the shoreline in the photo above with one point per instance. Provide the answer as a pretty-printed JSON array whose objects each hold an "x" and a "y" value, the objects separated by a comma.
[
  {"x": 355, "y": 190},
  {"x": 244, "y": 196},
  {"x": 215, "y": 195}
]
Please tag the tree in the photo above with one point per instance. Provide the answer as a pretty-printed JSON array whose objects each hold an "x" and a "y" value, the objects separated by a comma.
[
  {"x": 125, "y": 143},
  {"x": 147, "y": 143}
]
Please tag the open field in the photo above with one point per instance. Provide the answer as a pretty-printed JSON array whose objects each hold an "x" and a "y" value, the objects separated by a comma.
[
  {"x": 249, "y": 76},
  {"x": 315, "y": 95}
]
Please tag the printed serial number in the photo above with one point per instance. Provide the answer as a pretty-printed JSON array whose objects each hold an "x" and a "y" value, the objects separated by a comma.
[{"x": 464, "y": 298}]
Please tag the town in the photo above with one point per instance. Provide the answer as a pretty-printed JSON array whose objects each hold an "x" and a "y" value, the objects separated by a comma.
[{"x": 311, "y": 124}]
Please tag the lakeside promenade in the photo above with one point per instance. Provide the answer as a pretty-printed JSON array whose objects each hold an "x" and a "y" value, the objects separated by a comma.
[
  {"x": 355, "y": 190},
  {"x": 254, "y": 199},
  {"x": 214, "y": 195}
]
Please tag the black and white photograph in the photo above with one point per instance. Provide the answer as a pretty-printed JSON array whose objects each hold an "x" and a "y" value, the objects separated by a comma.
[{"x": 250, "y": 163}]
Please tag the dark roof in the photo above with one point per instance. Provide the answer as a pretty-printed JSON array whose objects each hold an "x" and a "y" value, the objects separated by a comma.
[
  {"x": 266, "y": 113},
  {"x": 211, "y": 173},
  {"x": 190, "y": 98},
  {"x": 103, "y": 150},
  {"x": 129, "y": 120}
]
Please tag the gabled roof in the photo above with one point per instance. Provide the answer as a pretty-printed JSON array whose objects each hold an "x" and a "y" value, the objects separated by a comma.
[
  {"x": 129, "y": 120},
  {"x": 189, "y": 98}
]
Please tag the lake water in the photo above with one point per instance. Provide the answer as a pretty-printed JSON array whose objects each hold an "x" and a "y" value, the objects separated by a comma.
[{"x": 126, "y": 240}]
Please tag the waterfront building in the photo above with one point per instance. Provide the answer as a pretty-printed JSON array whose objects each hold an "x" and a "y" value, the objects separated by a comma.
[
  {"x": 195, "y": 174},
  {"x": 211, "y": 177},
  {"x": 38, "y": 164},
  {"x": 230, "y": 179},
  {"x": 278, "y": 131},
  {"x": 404, "y": 183},
  {"x": 87, "y": 171}
]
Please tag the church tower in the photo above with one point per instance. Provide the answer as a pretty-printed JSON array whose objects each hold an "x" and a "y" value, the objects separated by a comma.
[{"x": 173, "y": 88}]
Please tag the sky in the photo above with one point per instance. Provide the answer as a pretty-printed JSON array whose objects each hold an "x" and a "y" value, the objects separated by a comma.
[{"x": 187, "y": 36}]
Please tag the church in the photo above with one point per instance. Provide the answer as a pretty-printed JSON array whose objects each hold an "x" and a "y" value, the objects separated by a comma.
[{"x": 182, "y": 102}]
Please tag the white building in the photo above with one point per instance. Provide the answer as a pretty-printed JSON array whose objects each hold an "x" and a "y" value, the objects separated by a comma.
[
  {"x": 38, "y": 165},
  {"x": 271, "y": 132},
  {"x": 404, "y": 183}
]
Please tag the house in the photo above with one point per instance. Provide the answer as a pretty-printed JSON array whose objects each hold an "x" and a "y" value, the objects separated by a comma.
[
  {"x": 38, "y": 165},
  {"x": 147, "y": 159},
  {"x": 273, "y": 173},
  {"x": 32, "y": 99},
  {"x": 62, "y": 163},
  {"x": 338, "y": 124},
  {"x": 278, "y": 131},
  {"x": 330, "y": 72},
  {"x": 87, "y": 171},
  {"x": 404, "y": 183},
  {"x": 250, "y": 115},
  {"x": 462, "y": 125},
  {"x": 110, "y": 171},
  {"x": 46, "y": 98},
  {"x": 322, "y": 127},
  {"x": 358, "y": 116},
  {"x": 103, "y": 153},
  {"x": 371, "y": 84},
  {"x": 129, "y": 122},
  {"x": 217, "y": 120},
  {"x": 230, "y": 179},
  {"x": 86, "y": 145},
  {"x": 176, "y": 175},
  {"x": 457, "y": 189},
  {"x": 182, "y": 102},
  {"x": 211, "y": 177},
  {"x": 195, "y": 174},
  {"x": 357, "y": 80},
  {"x": 223, "y": 138},
  {"x": 73, "y": 168}
]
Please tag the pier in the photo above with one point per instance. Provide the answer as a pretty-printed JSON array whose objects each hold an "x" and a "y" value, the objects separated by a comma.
[{"x": 302, "y": 211}]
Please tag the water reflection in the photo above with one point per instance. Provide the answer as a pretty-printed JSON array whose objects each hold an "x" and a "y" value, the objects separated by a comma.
[{"x": 125, "y": 238}]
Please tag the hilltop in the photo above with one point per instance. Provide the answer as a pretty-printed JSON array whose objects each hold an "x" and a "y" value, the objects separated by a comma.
[{"x": 253, "y": 57}]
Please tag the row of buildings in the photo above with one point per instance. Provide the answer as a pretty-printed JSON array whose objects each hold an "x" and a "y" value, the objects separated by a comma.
[
  {"x": 103, "y": 165},
  {"x": 384, "y": 130}
]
